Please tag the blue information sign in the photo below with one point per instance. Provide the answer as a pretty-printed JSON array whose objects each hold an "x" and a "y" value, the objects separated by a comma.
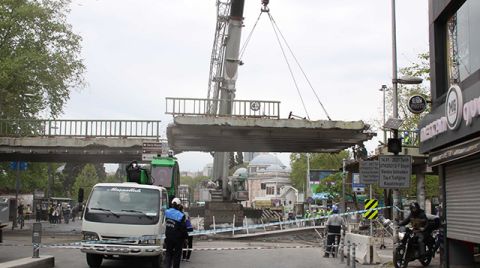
[{"x": 21, "y": 165}]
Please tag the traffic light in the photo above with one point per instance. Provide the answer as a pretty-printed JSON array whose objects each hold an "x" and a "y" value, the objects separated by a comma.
[{"x": 394, "y": 145}]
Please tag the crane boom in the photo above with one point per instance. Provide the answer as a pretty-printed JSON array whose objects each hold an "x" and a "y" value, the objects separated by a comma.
[
  {"x": 225, "y": 87},
  {"x": 218, "y": 52}
]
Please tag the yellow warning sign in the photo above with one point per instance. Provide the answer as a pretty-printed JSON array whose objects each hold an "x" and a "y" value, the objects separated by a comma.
[{"x": 370, "y": 206}]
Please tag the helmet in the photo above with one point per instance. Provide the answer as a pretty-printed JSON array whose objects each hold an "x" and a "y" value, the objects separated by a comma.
[
  {"x": 176, "y": 201},
  {"x": 414, "y": 207}
]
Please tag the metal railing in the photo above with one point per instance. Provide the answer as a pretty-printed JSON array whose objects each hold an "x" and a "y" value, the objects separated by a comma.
[
  {"x": 240, "y": 108},
  {"x": 79, "y": 128}
]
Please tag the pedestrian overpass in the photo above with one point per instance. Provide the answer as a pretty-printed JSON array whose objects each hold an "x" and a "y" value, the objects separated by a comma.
[
  {"x": 253, "y": 126},
  {"x": 52, "y": 140}
]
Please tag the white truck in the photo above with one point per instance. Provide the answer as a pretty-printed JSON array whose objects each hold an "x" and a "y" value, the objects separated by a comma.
[{"x": 124, "y": 220}]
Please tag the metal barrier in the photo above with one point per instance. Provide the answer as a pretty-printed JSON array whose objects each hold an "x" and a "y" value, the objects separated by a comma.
[
  {"x": 209, "y": 107},
  {"x": 79, "y": 128}
]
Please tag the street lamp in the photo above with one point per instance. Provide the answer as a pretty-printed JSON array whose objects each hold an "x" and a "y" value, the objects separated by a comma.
[{"x": 395, "y": 82}]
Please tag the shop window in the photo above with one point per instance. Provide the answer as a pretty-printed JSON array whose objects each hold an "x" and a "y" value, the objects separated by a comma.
[{"x": 463, "y": 42}]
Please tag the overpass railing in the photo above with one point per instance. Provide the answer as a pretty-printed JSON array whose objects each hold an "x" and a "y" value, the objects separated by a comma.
[
  {"x": 79, "y": 128},
  {"x": 209, "y": 107}
]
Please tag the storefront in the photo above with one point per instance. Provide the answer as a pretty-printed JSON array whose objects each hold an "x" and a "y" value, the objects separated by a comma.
[{"x": 451, "y": 132}]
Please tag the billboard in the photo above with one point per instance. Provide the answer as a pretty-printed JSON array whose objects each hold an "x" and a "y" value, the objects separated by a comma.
[{"x": 317, "y": 175}]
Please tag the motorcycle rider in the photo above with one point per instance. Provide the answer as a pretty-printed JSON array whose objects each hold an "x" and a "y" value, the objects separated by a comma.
[{"x": 419, "y": 221}]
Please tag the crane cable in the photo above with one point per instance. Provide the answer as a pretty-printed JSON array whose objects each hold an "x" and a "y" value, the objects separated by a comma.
[
  {"x": 276, "y": 28},
  {"x": 289, "y": 67},
  {"x": 249, "y": 37}
]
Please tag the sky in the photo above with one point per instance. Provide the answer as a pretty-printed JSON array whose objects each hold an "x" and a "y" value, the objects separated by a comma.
[{"x": 138, "y": 52}]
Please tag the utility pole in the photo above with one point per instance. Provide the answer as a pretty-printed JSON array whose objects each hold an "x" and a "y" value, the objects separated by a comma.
[
  {"x": 344, "y": 206},
  {"x": 396, "y": 192},
  {"x": 308, "y": 177}
]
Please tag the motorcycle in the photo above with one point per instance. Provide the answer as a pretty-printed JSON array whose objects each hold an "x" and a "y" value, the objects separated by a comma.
[{"x": 407, "y": 249}]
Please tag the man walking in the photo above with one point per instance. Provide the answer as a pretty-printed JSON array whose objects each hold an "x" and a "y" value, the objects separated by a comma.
[
  {"x": 175, "y": 234},
  {"x": 334, "y": 227}
]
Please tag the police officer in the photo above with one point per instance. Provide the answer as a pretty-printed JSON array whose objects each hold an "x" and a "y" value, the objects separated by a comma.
[
  {"x": 334, "y": 227},
  {"x": 175, "y": 234}
]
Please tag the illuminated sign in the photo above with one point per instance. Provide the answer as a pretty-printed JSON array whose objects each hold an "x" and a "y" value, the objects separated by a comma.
[{"x": 455, "y": 111}]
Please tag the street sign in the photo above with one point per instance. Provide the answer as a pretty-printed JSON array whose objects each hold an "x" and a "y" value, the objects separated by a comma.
[
  {"x": 21, "y": 165},
  {"x": 395, "y": 171},
  {"x": 369, "y": 172},
  {"x": 153, "y": 149},
  {"x": 370, "y": 206},
  {"x": 356, "y": 185}
]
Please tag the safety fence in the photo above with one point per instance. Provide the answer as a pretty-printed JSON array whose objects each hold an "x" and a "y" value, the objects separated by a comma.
[{"x": 300, "y": 223}]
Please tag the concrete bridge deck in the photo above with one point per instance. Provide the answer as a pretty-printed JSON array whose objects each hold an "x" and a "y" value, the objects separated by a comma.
[{"x": 227, "y": 134}]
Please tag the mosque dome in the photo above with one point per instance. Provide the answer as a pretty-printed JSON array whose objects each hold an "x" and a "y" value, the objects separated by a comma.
[
  {"x": 274, "y": 168},
  {"x": 266, "y": 160}
]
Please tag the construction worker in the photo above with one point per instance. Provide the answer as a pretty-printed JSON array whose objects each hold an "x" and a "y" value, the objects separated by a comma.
[
  {"x": 334, "y": 225},
  {"x": 175, "y": 234}
]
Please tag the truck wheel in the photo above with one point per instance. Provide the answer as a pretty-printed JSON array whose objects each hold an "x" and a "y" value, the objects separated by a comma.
[
  {"x": 157, "y": 261},
  {"x": 94, "y": 260}
]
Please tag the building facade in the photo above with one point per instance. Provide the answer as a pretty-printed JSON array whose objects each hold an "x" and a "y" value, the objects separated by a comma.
[
  {"x": 450, "y": 134},
  {"x": 269, "y": 183}
]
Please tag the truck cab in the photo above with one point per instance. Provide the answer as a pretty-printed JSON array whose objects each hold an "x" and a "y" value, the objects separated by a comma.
[{"x": 124, "y": 220}]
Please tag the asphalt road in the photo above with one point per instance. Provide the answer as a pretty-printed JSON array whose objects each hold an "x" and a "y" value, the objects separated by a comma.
[{"x": 14, "y": 241}]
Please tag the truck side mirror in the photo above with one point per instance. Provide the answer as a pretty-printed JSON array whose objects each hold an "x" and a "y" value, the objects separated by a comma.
[{"x": 80, "y": 195}]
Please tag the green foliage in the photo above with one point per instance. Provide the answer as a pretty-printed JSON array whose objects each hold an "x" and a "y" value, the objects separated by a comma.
[
  {"x": 421, "y": 68},
  {"x": 35, "y": 177},
  {"x": 193, "y": 182},
  {"x": 332, "y": 185},
  {"x": 298, "y": 162},
  {"x": 431, "y": 187},
  {"x": 40, "y": 57},
  {"x": 86, "y": 179}
]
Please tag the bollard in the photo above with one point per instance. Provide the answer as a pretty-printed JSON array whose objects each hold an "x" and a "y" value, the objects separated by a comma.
[
  {"x": 246, "y": 223},
  {"x": 36, "y": 239},
  {"x": 233, "y": 224},
  {"x": 348, "y": 253},
  {"x": 214, "y": 228},
  {"x": 198, "y": 222},
  {"x": 335, "y": 248},
  {"x": 342, "y": 246},
  {"x": 353, "y": 255}
]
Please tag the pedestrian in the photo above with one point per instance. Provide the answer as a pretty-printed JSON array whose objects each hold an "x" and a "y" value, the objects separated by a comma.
[
  {"x": 175, "y": 234},
  {"x": 334, "y": 227},
  {"x": 189, "y": 241}
]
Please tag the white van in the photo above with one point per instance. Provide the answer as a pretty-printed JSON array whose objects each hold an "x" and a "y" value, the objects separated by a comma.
[{"x": 124, "y": 220}]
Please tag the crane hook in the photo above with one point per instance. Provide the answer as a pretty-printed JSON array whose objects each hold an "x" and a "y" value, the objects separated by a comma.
[{"x": 265, "y": 6}]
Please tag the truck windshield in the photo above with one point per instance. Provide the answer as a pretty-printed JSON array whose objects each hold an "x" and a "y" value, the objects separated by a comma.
[
  {"x": 162, "y": 176},
  {"x": 130, "y": 205}
]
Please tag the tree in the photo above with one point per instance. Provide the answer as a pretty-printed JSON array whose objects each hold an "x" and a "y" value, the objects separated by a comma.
[
  {"x": 40, "y": 58},
  {"x": 86, "y": 179},
  {"x": 298, "y": 162},
  {"x": 420, "y": 69}
]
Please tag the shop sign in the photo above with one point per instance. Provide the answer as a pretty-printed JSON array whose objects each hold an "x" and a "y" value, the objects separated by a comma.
[
  {"x": 454, "y": 113},
  {"x": 417, "y": 104}
]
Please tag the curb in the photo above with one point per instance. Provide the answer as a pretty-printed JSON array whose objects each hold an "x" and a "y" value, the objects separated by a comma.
[{"x": 45, "y": 261}]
